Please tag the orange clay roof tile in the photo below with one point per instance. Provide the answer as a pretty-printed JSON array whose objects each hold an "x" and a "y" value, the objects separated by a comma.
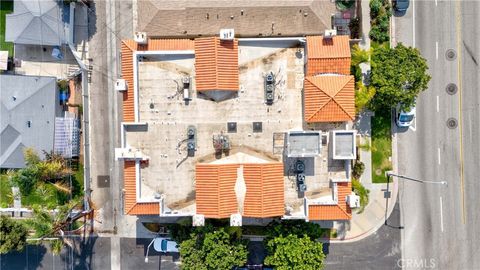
[
  {"x": 216, "y": 64},
  {"x": 328, "y": 55},
  {"x": 131, "y": 206},
  {"x": 329, "y": 98},
  {"x": 128, "y": 47},
  {"x": 341, "y": 211},
  {"x": 215, "y": 194}
]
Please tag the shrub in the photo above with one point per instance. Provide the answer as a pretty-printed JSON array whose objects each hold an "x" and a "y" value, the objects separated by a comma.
[
  {"x": 359, "y": 56},
  {"x": 363, "y": 96},
  {"x": 378, "y": 34},
  {"x": 358, "y": 169},
  {"x": 380, "y": 13},
  {"x": 25, "y": 179},
  {"x": 293, "y": 227},
  {"x": 354, "y": 26},
  {"x": 362, "y": 192},
  {"x": 13, "y": 235},
  {"x": 375, "y": 6}
]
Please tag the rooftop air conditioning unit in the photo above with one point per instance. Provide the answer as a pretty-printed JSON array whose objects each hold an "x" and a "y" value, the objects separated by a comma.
[
  {"x": 121, "y": 85},
  {"x": 330, "y": 33},
  {"x": 353, "y": 200},
  {"x": 227, "y": 34},
  {"x": 140, "y": 37}
]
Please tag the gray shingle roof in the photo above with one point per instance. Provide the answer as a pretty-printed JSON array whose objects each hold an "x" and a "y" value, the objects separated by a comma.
[
  {"x": 37, "y": 22},
  {"x": 23, "y": 99},
  {"x": 161, "y": 18}
]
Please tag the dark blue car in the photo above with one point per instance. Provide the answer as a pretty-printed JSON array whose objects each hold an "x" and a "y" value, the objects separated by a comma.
[{"x": 401, "y": 5}]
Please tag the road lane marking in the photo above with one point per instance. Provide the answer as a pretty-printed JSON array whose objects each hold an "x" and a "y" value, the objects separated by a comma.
[
  {"x": 436, "y": 3},
  {"x": 413, "y": 17},
  {"x": 438, "y": 104},
  {"x": 438, "y": 152},
  {"x": 441, "y": 213},
  {"x": 460, "y": 120},
  {"x": 436, "y": 50}
]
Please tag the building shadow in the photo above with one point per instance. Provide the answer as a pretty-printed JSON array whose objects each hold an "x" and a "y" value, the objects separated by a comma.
[{"x": 30, "y": 258}]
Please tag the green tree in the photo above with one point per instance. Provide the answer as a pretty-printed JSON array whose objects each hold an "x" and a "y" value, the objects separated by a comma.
[
  {"x": 13, "y": 235},
  {"x": 293, "y": 227},
  {"x": 398, "y": 75},
  {"x": 292, "y": 252},
  {"x": 212, "y": 250},
  {"x": 363, "y": 96}
]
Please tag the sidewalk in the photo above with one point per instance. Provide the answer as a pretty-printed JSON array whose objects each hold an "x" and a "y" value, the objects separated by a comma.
[
  {"x": 381, "y": 202},
  {"x": 376, "y": 212}
]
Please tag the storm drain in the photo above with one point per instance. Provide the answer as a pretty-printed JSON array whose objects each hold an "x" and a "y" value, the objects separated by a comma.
[
  {"x": 452, "y": 123},
  {"x": 451, "y": 55},
  {"x": 451, "y": 88}
]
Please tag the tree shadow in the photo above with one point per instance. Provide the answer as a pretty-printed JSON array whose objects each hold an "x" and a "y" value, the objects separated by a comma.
[{"x": 80, "y": 254}]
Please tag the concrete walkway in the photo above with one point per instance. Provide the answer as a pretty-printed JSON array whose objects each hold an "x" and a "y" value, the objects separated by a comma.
[{"x": 365, "y": 13}]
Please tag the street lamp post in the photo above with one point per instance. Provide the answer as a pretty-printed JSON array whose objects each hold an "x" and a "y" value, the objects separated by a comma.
[
  {"x": 148, "y": 248},
  {"x": 390, "y": 174}
]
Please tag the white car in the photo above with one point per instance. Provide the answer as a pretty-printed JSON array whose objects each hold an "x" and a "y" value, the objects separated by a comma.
[
  {"x": 405, "y": 119},
  {"x": 164, "y": 245}
]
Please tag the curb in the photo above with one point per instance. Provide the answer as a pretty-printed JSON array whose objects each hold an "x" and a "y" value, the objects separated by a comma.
[{"x": 372, "y": 230}]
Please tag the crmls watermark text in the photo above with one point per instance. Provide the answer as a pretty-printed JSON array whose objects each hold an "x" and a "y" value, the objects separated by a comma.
[{"x": 417, "y": 263}]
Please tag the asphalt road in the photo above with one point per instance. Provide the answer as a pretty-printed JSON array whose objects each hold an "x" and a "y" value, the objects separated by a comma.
[
  {"x": 380, "y": 250},
  {"x": 442, "y": 222},
  {"x": 89, "y": 253}
]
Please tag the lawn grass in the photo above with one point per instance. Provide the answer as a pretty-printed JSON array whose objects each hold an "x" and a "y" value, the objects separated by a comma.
[
  {"x": 44, "y": 194},
  {"x": 6, "y": 198},
  {"x": 381, "y": 146},
  {"x": 6, "y": 6}
]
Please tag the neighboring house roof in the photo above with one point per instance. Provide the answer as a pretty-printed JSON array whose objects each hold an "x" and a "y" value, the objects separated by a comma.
[
  {"x": 128, "y": 47},
  {"x": 36, "y": 22},
  {"x": 340, "y": 211},
  {"x": 216, "y": 64},
  {"x": 328, "y": 55},
  {"x": 217, "y": 194},
  {"x": 132, "y": 207},
  {"x": 248, "y": 18},
  {"x": 24, "y": 99},
  {"x": 329, "y": 98}
]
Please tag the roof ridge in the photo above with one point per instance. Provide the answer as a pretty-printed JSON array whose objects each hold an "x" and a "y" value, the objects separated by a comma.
[
  {"x": 341, "y": 107},
  {"x": 343, "y": 211},
  {"x": 308, "y": 78},
  {"x": 350, "y": 77},
  {"x": 24, "y": 29},
  {"x": 125, "y": 42},
  {"x": 347, "y": 80}
]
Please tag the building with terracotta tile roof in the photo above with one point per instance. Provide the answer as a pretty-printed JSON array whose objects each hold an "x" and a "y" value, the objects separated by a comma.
[
  {"x": 216, "y": 66},
  {"x": 335, "y": 210},
  {"x": 328, "y": 55},
  {"x": 254, "y": 179},
  {"x": 250, "y": 189},
  {"x": 132, "y": 206},
  {"x": 329, "y": 98}
]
